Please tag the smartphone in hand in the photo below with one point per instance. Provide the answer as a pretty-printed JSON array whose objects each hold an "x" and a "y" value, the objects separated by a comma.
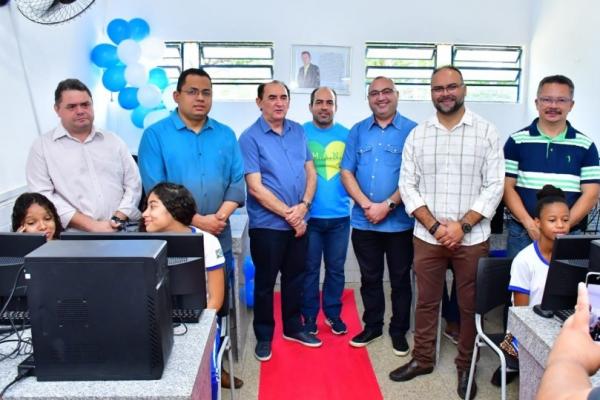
[{"x": 592, "y": 282}]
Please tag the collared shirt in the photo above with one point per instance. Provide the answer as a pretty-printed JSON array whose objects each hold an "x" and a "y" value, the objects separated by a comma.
[
  {"x": 327, "y": 147},
  {"x": 565, "y": 161},
  {"x": 280, "y": 160},
  {"x": 453, "y": 171},
  {"x": 96, "y": 177},
  {"x": 209, "y": 163},
  {"x": 374, "y": 155}
]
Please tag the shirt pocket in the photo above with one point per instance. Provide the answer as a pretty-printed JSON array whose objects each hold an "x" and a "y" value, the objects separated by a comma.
[
  {"x": 392, "y": 155},
  {"x": 364, "y": 155}
]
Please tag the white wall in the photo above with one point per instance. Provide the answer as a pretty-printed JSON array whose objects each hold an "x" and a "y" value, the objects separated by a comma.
[{"x": 565, "y": 41}]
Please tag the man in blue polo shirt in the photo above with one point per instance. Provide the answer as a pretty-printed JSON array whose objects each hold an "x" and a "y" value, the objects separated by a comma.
[
  {"x": 380, "y": 226},
  {"x": 329, "y": 223},
  {"x": 200, "y": 153},
  {"x": 549, "y": 151},
  {"x": 281, "y": 180}
]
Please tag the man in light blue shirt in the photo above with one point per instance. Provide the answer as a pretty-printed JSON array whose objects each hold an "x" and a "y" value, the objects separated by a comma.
[
  {"x": 380, "y": 225},
  {"x": 329, "y": 223}
]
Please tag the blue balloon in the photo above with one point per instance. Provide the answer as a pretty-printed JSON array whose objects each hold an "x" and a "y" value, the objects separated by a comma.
[
  {"x": 118, "y": 30},
  {"x": 104, "y": 55},
  {"x": 158, "y": 77},
  {"x": 128, "y": 98},
  {"x": 138, "y": 115},
  {"x": 114, "y": 78},
  {"x": 139, "y": 29}
]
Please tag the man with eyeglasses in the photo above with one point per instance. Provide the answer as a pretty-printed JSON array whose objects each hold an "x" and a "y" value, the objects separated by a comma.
[
  {"x": 380, "y": 226},
  {"x": 87, "y": 172},
  {"x": 281, "y": 180},
  {"x": 451, "y": 181},
  {"x": 549, "y": 151},
  {"x": 196, "y": 151}
]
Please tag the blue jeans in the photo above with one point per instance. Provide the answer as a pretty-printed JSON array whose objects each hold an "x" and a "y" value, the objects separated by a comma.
[{"x": 327, "y": 238}]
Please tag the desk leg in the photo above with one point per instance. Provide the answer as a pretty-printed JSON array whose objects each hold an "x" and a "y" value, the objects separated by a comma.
[{"x": 530, "y": 375}]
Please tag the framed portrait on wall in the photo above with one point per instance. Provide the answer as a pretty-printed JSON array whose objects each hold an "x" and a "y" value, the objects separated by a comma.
[{"x": 314, "y": 66}]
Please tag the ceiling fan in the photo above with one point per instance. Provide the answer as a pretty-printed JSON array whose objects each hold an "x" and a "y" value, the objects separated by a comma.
[{"x": 50, "y": 12}]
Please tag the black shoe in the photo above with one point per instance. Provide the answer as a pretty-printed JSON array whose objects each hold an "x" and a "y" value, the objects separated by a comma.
[
  {"x": 262, "y": 351},
  {"x": 463, "y": 382},
  {"x": 304, "y": 338},
  {"x": 364, "y": 338},
  {"x": 511, "y": 375},
  {"x": 400, "y": 345},
  {"x": 409, "y": 371},
  {"x": 310, "y": 325},
  {"x": 338, "y": 327}
]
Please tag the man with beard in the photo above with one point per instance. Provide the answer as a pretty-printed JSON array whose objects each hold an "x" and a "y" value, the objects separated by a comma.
[
  {"x": 549, "y": 151},
  {"x": 451, "y": 181},
  {"x": 380, "y": 226}
]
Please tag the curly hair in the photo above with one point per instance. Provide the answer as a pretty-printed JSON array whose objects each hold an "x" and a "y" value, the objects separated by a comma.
[
  {"x": 548, "y": 195},
  {"x": 178, "y": 201},
  {"x": 25, "y": 201}
]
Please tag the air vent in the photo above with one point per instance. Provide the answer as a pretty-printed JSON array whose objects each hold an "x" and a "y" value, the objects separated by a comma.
[{"x": 72, "y": 311}]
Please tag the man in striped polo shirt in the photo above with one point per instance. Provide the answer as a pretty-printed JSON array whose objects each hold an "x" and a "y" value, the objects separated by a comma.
[{"x": 549, "y": 151}]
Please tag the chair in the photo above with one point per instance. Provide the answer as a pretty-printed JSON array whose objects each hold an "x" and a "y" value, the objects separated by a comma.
[{"x": 493, "y": 277}]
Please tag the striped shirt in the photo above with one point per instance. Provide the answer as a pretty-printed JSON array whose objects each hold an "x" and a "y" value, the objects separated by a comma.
[
  {"x": 453, "y": 171},
  {"x": 566, "y": 161}
]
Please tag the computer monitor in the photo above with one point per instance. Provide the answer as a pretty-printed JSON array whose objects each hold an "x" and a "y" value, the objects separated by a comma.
[
  {"x": 595, "y": 256},
  {"x": 568, "y": 266},
  {"x": 185, "y": 252},
  {"x": 100, "y": 310},
  {"x": 13, "y": 248}
]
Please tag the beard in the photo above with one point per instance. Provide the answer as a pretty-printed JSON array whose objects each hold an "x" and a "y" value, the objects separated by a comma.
[{"x": 458, "y": 103}]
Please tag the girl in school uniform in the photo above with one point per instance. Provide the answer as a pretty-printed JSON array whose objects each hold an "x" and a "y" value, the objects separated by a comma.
[{"x": 34, "y": 213}]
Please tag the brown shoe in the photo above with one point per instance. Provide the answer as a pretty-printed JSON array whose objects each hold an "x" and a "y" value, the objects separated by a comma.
[
  {"x": 226, "y": 380},
  {"x": 409, "y": 371},
  {"x": 463, "y": 383}
]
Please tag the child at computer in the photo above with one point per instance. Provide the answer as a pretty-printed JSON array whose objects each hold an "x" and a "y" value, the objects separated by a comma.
[
  {"x": 34, "y": 213},
  {"x": 530, "y": 266}
]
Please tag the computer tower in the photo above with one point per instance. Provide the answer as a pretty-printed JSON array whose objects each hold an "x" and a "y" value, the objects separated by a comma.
[{"x": 100, "y": 310}]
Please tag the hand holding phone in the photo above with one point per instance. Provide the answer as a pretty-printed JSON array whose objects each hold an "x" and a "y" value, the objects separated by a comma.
[{"x": 592, "y": 282}]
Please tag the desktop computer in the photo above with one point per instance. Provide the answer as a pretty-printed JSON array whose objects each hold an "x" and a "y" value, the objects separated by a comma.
[{"x": 99, "y": 309}]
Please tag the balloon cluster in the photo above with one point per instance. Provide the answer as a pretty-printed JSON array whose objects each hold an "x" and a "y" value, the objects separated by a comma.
[{"x": 144, "y": 90}]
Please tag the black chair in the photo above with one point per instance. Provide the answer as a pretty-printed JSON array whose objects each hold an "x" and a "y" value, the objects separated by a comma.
[{"x": 493, "y": 277}]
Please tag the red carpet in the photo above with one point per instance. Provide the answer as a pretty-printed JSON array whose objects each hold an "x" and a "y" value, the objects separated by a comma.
[{"x": 333, "y": 371}]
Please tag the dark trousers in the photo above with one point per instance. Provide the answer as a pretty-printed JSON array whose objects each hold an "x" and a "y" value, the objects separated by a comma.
[
  {"x": 276, "y": 251},
  {"x": 370, "y": 247},
  {"x": 431, "y": 262}
]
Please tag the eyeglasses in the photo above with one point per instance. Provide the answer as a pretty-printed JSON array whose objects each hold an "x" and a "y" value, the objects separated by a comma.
[
  {"x": 451, "y": 88},
  {"x": 385, "y": 92},
  {"x": 561, "y": 101},
  {"x": 193, "y": 92}
]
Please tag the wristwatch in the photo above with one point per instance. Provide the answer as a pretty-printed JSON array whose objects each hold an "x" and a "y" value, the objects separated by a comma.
[
  {"x": 466, "y": 227},
  {"x": 390, "y": 204},
  {"x": 308, "y": 204}
]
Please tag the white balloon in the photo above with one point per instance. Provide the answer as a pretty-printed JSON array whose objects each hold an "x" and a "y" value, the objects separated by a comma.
[
  {"x": 136, "y": 75},
  {"x": 155, "y": 116},
  {"x": 149, "y": 95},
  {"x": 153, "y": 49},
  {"x": 129, "y": 51},
  {"x": 167, "y": 97}
]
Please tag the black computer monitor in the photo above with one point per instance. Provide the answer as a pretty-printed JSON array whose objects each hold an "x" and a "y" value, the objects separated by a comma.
[
  {"x": 13, "y": 287},
  {"x": 185, "y": 252},
  {"x": 568, "y": 267},
  {"x": 595, "y": 256},
  {"x": 100, "y": 310}
]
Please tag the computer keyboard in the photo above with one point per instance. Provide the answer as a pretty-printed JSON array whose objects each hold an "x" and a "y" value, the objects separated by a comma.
[
  {"x": 564, "y": 314},
  {"x": 187, "y": 316},
  {"x": 14, "y": 318}
]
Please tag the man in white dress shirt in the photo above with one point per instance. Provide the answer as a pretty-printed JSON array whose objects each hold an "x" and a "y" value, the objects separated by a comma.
[{"x": 88, "y": 173}]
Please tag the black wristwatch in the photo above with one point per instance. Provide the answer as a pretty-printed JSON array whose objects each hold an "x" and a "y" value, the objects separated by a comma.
[
  {"x": 308, "y": 204},
  {"x": 122, "y": 223},
  {"x": 466, "y": 227},
  {"x": 390, "y": 204}
]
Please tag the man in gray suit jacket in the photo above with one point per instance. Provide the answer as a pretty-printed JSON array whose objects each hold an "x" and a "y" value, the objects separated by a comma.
[{"x": 309, "y": 75}]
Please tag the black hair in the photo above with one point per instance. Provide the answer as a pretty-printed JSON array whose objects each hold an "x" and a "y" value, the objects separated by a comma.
[
  {"x": 261, "y": 88},
  {"x": 25, "y": 201},
  {"x": 305, "y": 52},
  {"x": 450, "y": 67},
  {"x": 191, "y": 71},
  {"x": 560, "y": 79},
  {"x": 69, "y": 84},
  {"x": 548, "y": 195},
  {"x": 178, "y": 201},
  {"x": 312, "y": 95}
]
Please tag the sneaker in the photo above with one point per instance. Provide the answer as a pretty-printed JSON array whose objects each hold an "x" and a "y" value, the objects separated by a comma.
[
  {"x": 262, "y": 351},
  {"x": 364, "y": 338},
  {"x": 310, "y": 325},
  {"x": 338, "y": 327},
  {"x": 400, "y": 345},
  {"x": 304, "y": 338}
]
